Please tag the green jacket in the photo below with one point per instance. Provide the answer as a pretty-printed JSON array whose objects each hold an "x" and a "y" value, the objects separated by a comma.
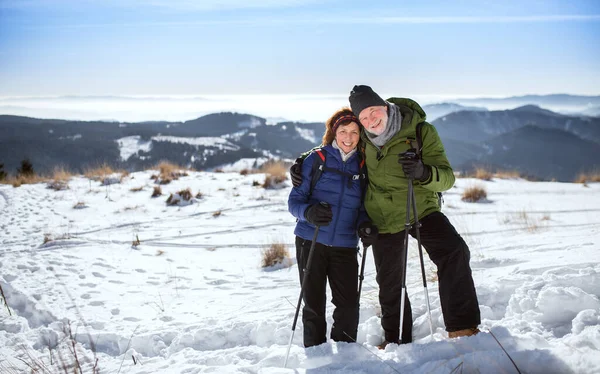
[{"x": 386, "y": 195}]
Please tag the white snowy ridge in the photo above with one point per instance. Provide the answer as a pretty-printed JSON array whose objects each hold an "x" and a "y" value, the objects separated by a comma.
[{"x": 190, "y": 295}]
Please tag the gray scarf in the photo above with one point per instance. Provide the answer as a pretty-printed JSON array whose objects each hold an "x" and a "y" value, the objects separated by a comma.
[{"x": 394, "y": 124}]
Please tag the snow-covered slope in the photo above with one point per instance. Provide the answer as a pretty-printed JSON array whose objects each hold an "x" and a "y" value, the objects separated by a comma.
[{"x": 192, "y": 297}]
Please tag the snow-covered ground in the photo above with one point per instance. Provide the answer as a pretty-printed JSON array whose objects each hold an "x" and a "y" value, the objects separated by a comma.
[{"x": 192, "y": 297}]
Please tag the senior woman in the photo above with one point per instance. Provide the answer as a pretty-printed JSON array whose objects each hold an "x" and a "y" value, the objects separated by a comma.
[{"x": 330, "y": 196}]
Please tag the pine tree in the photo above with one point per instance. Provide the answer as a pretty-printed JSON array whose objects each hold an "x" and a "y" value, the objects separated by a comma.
[
  {"x": 2, "y": 172},
  {"x": 26, "y": 169}
]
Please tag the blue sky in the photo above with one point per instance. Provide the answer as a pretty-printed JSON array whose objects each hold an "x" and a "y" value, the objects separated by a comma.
[{"x": 185, "y": 47}]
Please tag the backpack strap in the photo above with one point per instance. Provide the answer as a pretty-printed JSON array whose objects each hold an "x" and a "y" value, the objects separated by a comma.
[
  {"x": 319, "y": 167},
  {"x": 419, "y": 150},
  {"x": 419, "y": 138}
]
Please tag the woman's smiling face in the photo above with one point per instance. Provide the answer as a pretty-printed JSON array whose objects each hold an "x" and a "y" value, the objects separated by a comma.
[{"x": 347, "y": 136}]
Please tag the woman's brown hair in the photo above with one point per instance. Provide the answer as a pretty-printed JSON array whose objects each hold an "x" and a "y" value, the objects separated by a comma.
[{"x": 342, "y": 117}]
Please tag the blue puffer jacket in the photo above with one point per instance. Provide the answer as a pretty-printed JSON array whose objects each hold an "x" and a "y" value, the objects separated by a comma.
[{"x": 343, "y": 194}]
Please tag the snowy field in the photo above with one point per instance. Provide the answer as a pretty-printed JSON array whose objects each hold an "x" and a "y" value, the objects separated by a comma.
[{"x": 193, "y": 298}]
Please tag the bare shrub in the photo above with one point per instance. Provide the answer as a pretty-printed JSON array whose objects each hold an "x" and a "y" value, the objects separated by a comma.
[
  {"x": 79, "y": 205},
  {"x": 105, "y": 174},
  {"x": 273, "y": 181},
  {"x": 474, "y": 194},
  {"x": 136, "y": 242},
  {"x": 484, "y": 174},
  {"x": 244, "y": 172},
  {"x": 274, "y": 167},
  {"x": 507, "y": 174},
  {"x": 20, "y": 180},
  {"x": 60, "y": 179},
  {"x": 168, "y": 172},
  {"x": 275, "y": 174},
  {"x": 199, "y": 195},
  {"x": 275, "y": 254},
  {"x": 527, "y": 221},
  {"x": 157, "y": 191},
  {"x": 588, "y": 177},
  {"x": 50, "y": 237},
  {"x": 180, "y": 197}
]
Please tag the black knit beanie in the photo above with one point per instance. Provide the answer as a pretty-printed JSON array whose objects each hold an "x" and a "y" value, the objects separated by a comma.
[{"x": 362, "y": 97}]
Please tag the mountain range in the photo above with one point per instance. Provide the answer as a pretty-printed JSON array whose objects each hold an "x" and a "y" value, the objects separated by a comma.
[{"x": 536, "y": 142}]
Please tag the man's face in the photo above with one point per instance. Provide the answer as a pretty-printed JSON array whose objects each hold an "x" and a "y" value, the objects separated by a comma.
[{"x": 374, "y": 119}]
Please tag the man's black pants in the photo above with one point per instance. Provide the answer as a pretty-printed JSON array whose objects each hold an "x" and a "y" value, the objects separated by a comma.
[
  {"x": 448, "y": 250},
  {"x": 340, "y": 266}
]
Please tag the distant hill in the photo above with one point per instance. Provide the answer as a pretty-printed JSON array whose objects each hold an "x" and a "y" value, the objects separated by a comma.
[
  {"x": 476, "y": 127},
  {"x": 541, "y": 152},
  {"x": 530, "y": 139},
  {"x": 556, "y": 102},
  {"x": 435, "y": 111}
]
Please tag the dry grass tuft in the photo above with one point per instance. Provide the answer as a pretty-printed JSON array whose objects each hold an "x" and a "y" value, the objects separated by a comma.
[
  {"x": 49, "y": 237},
  {"x": 244, "y": 172},
  {"x": 168, "y": 172},
  {"x": 474, "y": 194},
  {"x": 275, "y": 254},
  {"x": 157, "y": 191},
  {"x": 274, "y": 167},
  {"x": 185, "y": 195},
  {"x": 137, "y": 189},
  {"x": 160, "y": 252},
  {"x": 483, "y": 174},
  {"x": 527, "y": 221},
  {"x": 136, "y": 242},
  {"x": 217, "y": 213},
  {"x": 584, "y": 178},
  {"x": 105, "y": 174},
  {"x": 60, "y": 179},
  {"x": 507, "y": 174},
  {"x": 276, "y": 174},
  {"x": 79, "y": 205},
  {"x": 20, "y": 180},
  {"x": 199, "y": 195}
]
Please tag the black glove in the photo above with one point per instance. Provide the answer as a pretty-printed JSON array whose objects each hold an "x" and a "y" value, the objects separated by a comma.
[
  {"x": 368, "y": 233},
  {"x": 414, "y": 168},
  {"x": 296, "y": 172},
  {"x": 319, "y": 214}
]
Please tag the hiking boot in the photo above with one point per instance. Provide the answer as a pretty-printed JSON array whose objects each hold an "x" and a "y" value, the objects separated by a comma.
[
  {"x": 385, "y": 343},
  {"x": 466, "y": 332}
]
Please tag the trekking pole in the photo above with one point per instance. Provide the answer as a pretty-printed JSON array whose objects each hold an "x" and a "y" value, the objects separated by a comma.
[
  {"x": 362, "y": 266},
  {"x": 405, "y": 254},
  {"x": 418, "y": 235},
  {"x": 306, "y": 271}
]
